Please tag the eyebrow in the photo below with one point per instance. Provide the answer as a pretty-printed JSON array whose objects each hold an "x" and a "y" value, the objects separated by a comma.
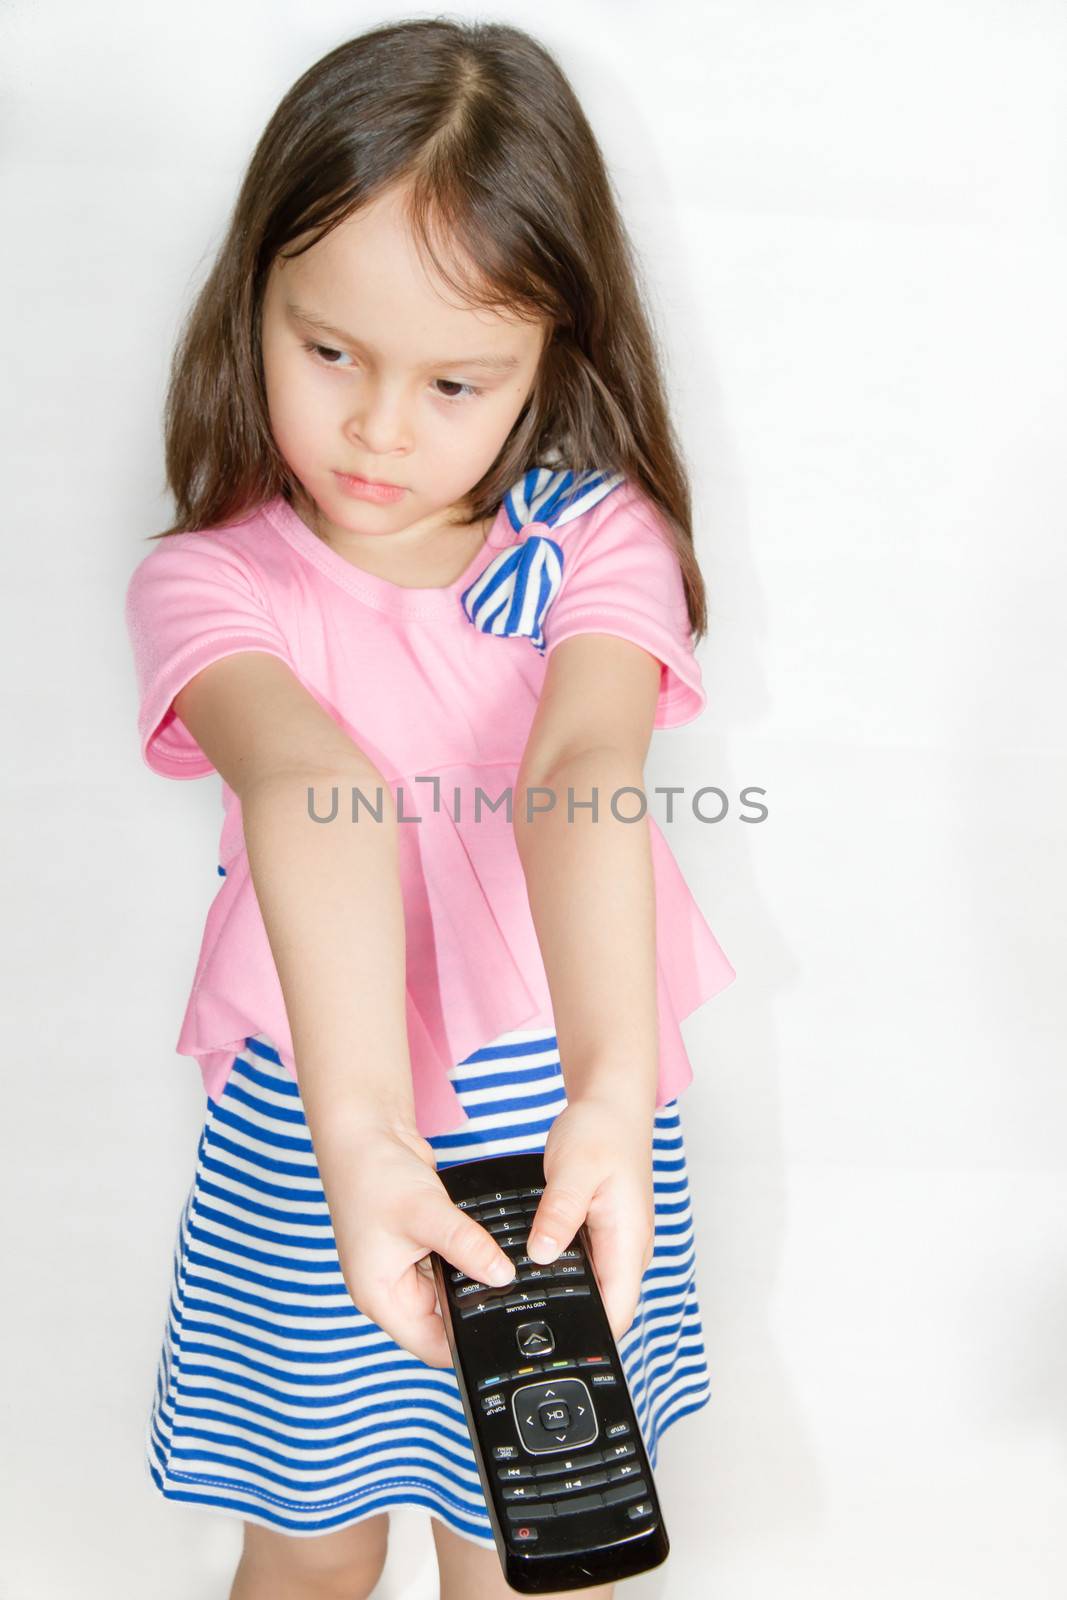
[{"x": 490, "y": 363}]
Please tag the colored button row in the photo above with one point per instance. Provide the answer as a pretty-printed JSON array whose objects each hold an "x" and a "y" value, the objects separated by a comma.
[{"x": 542, "y": 1366}]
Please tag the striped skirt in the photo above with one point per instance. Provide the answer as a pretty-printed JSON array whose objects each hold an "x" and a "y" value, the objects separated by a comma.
[{"x": 277, "y": 1400}]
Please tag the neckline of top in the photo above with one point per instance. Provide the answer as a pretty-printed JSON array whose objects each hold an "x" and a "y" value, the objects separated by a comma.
[{"x": 381, "y": 593}]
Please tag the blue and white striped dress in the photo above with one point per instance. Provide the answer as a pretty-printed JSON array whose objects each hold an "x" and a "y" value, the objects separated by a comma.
[{"x": 277, "y": 1400}]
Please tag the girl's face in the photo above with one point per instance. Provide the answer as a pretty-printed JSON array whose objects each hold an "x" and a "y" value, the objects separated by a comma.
[{"x": 402, "y": 387}]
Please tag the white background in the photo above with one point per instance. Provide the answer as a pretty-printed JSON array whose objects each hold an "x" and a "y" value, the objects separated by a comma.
[{"x": 852, "y": 220}]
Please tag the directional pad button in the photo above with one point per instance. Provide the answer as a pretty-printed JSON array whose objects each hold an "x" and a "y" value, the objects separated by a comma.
[{"x": 555, "y": 1414}]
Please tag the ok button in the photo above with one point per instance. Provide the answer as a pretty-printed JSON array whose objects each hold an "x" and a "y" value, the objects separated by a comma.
[{"x": 554, "y": 1415}]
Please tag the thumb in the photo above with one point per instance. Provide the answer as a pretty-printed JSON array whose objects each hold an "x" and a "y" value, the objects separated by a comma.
[{"x": 562, "y": 1210}]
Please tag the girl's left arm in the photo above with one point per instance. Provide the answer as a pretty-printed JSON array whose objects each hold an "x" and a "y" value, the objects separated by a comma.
[
  {"x": 592, "y": 900},
  {"x": 588, "y": 874}
]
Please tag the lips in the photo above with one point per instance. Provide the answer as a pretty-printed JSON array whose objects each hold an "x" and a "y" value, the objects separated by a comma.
[{"x": 382, "y": 494}]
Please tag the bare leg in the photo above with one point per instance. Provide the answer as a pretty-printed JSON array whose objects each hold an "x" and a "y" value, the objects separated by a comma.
[
  {"x": 343, "y": 1565},
  {"x": 467, "y": 1569}
]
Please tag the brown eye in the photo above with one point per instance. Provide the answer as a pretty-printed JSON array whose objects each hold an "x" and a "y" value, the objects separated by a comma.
[
  {"x": 321, "y": 351},
  {"x": 467, "y": 390}
]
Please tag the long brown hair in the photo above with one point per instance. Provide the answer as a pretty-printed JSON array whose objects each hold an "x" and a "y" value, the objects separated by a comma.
[{"x": 480, "y": 126}]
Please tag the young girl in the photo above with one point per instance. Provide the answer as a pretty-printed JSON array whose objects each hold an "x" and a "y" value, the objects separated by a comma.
[{"x": 430, "y": 589}]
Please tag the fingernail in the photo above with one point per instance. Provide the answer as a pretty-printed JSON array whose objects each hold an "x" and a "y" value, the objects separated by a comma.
[
  {"x": 545, "y": 1247},
  {"x": 502, "y": 1273}
]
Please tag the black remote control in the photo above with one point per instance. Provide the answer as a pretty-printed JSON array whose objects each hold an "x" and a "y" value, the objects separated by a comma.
[{"x": 559, "y": 1450}]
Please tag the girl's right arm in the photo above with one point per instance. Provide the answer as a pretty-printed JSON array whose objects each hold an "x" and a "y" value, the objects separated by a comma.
[{"x": 330, "y": 898}]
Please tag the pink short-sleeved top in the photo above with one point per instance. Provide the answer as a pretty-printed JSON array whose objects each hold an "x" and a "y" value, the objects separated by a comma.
[{"x": 440, "y": 684}]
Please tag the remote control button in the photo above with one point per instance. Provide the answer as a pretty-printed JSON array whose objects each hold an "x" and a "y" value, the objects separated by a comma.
[
  {"x": 569, "y": 1398},
  {"x": 505, "y": 1452},
  {"x": 625, "y": 1470},
  {"x": 614, "y": 1429},
  {"x": 521, "y": 1491},
  {"x": 505, "y": 1209},
  {"x": 536, "y": 1275},
  {"x": 592, "y": 1361},
  {"x": 535, "y": 1338},
  {"x": 524, "y": 1535},
  {"x": 530, "y": 1271},
  {"x": 487, "y": 1297},
  {"x": 619, "y": 1452},
  {"x": 541, "y": 1509},
  {"x": 513, "y": 1474},
  {"x": 554, "y": 1415},
  {"x": 584, "y": 1480},
  {"x": 533, "y": 1193},
  {"x": 527, "y": 1297},
  {"x": 643, "y": 1510},
  {"x": 585, "y": 1462},
  {"x": 576, "y": 1503},
  {"x": 463, "y": 1291},
  {"x": 625, "y": 1491}
]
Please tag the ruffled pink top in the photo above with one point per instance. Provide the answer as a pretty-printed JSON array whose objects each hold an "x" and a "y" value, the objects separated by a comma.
[{"x": 434, "y": 683}]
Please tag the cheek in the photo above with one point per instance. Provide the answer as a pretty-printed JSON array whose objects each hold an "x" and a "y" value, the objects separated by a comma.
[
  {"x": 293, "y": 401},
  {"x": 274, "y": 382},
  {"x": 469, "y": 440},
  {"x": 499, "y": 418}
]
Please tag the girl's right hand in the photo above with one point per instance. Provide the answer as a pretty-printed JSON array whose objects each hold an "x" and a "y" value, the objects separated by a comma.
[{"x": 389, "y": 1209}]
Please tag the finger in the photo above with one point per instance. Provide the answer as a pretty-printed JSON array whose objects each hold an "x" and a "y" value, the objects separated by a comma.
[
  {"x": 411, "y": 1317},
  {"x": 405, "y": 1307},
  {"x": 620, "y": 1255},
  {"x": 563, "y": 1208},
  {"x": 465, "y": 1244},
  {"x": 620, "y": 1296},
  {"x": 435, "y": 1223},
  {"x": 469, "y": 1246}
]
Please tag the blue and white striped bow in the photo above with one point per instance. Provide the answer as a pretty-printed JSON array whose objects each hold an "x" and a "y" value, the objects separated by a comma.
[{"x": 511, "y": 595}]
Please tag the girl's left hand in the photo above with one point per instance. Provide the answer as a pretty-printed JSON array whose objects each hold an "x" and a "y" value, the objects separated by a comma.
[{"x": 598, "y": 1170}]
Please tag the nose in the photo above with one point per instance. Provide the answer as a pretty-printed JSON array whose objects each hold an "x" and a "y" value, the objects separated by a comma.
[{"x": 380, "y": 420}]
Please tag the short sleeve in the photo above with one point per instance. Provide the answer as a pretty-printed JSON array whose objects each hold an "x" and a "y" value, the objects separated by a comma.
[
  {"x": 621, "y": 575},
  {"x": 191, "y": 601}
]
